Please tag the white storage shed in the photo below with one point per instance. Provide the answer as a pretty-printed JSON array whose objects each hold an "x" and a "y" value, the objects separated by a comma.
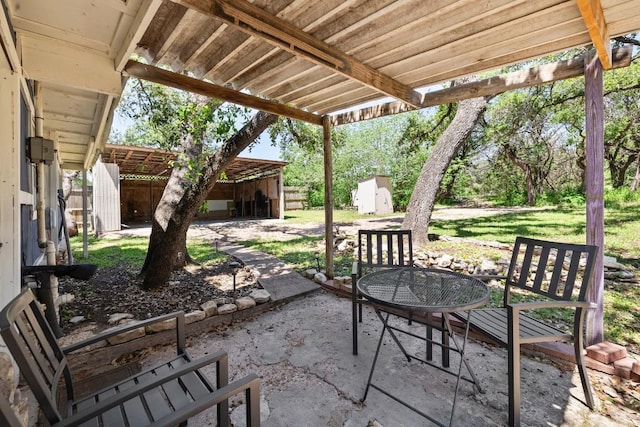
[{"x": 374, "y": 195}]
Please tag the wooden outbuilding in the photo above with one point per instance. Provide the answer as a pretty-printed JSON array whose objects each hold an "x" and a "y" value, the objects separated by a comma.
[{"x": 129, "y": 181}]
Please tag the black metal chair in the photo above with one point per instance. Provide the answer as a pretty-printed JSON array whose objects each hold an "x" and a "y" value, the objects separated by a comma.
[
  {"x": 542, "y": 269},
  {"x": 166, "y": 395},
  {"x": 377, "y": 249}
]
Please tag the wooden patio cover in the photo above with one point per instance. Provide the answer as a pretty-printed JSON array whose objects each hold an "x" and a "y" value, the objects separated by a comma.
[
  {"x": 305, "y": 58},
  {"x": 298, "y": 58},
  {"x": 152, "y": 162}
]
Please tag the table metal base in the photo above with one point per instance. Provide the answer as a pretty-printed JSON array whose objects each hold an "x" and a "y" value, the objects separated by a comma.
[{"x": 457, "y": 348}]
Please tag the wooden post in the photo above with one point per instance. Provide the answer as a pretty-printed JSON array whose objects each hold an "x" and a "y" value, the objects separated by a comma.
[
  {"x": 85, "y": 219},
  {"x": 328, "y": 195},
  {"x": 594, "y": 150}
]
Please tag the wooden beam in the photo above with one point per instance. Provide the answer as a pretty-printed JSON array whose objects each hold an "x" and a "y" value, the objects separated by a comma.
[
  {"x": 190, "y": 84},
  {"x": 55, "y": 61},
  {"x": 328, "y": 196},
  {"x": 492, "y": 86},
  {"x": 594, "y": 183},
  {"x": 593, "y": 17},
  {"x": 257, "y": 22}
]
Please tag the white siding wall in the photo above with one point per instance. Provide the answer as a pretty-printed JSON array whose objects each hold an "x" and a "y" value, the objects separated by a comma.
[
  {"x": 106, "y": 197},
  {"x": 9, "y": 185}
]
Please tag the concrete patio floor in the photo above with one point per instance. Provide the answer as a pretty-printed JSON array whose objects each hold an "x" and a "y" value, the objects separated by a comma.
[{"x": 302, "y": 353}]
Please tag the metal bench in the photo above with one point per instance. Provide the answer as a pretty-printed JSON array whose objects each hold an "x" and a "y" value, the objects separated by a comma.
[
  {"x": 548, "y": 271},
  {"x": 165, "y": 395}
]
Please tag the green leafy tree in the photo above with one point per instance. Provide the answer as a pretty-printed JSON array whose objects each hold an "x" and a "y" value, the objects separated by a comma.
[{"x": 202, "y": 131}]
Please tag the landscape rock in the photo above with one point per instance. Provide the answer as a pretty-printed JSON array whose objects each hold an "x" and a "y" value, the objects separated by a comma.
[
  {"x": 77, "y": 319},
  {"x": 194, "y": 316},
  {"x": 619, "y": 275},
  {"x": 445, "y": 261},
  {"x": 127, "y": 336},
  {"x": 210, "y": 308},
  {"x": 310, "y": 273},
  {"x": 260, "y": 296},
  {"x": 319, "y": 278},
  {"x": 612, "y": 263},
  {"x": 66, "y": 299},
  {"x": 164, "y": 325},
  {"x": 244, "y": 303},
  {"x": 118, "y": 318},
  {"x": 487, "y": 267},
  {"x": 227, "y": 309}
]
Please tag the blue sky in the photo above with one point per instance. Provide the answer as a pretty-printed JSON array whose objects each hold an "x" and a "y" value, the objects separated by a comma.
[{"x": 262, "y": 149}]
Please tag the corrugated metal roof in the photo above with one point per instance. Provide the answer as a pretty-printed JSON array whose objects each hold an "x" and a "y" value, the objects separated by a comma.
[{"x": 140, "y": 161}]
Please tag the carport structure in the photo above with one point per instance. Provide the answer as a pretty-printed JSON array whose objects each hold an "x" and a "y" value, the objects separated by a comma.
[
  {"x": 143, "y": 174},
  {"x": 304, "y": 59}
]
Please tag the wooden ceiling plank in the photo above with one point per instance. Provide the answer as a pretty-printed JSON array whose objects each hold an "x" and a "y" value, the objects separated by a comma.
[
  {"x": 179, "y": 81},
  {"x": 593, "y": 16},
  {"x": 443, "y": 27},
  {"x": 257, "y": 22},
  {"x": 160, "y": 30},
  {"x": 494, "y": 55},
  {"x": 258, "y": 53},
  {"x": 492, "y": 86},
  {"x": 329, "y": 90},
  {"x": 178, "y": 41},
  {"x": 261, "y": 79},
  {"x": 476, "y": 35},
  {"x": 446, "y": 15},
  {"x": 321, "y": 14},
  {"x": 448, "y": 75},
  {"x": 141, "y": 22},
  {"x": 530, "y": 31},
  {"x": 193, "y": 57},
  {"x": 619, "y": 20}
]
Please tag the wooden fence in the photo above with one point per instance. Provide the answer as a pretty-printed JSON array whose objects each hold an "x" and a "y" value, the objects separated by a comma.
[{"x": 295, "y": 198}]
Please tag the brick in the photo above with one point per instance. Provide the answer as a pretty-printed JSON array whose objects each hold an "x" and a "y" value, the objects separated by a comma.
[
  {"x": 606, "y": 352},
  {"x": 623, "y": 367},
  {"x": 636, "y": 367}
]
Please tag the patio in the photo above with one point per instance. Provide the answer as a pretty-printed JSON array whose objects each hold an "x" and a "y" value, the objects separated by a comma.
[{"x": 301, "y": 351}]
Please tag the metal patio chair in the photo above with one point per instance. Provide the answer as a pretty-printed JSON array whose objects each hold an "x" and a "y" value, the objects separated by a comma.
[
  {"x": 166, "y": 395},
  {"x": 550, "y": 272},
  {"x": 377, "y": 249}
]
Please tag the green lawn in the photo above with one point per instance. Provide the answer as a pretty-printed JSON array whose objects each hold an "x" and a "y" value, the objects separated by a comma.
[{"x": 622, "y": 226}]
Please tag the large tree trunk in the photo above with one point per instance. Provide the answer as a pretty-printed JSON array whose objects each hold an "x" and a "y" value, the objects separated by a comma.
[
  {"x": 180, "y": 201},
  {"x": 528, "y": 174},
  {"x": 424, "y": 194}
]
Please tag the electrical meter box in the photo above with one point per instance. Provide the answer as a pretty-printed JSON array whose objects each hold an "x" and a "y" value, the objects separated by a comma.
[{"x": 40, "y": 150}]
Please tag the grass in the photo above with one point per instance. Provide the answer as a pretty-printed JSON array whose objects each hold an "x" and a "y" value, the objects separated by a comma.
[
  {"x": 317, "y": 216},
  {"x": 131, "y": 251},
  {"x": 622, "y": 227},
  {"x": 622, "y": 311}
]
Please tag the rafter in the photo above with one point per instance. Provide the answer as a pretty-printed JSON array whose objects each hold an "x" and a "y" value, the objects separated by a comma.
[
  {"x": 190, "y": 84},
  {"x": 492, "y": 86},
  {"x": 593, "y": 17},
  {"x": 257, "y": 22}
]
